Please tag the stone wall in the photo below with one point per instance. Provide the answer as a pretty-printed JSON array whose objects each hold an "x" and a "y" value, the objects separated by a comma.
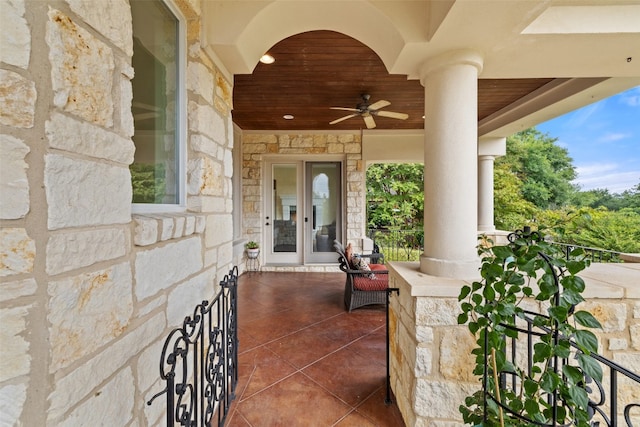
[
  {"x": 431, "y": 361},
  {"x": 258, "y": 146},
  {"x": 89, "y": 291}
]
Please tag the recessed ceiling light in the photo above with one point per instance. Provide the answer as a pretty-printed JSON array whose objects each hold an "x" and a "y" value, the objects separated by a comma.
[
  {"x": 287, "y": 117},
  {"x": 267, "y": 59}
]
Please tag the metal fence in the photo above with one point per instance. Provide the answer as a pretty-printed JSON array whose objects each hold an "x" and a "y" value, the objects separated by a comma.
[
  {"x": 408, "y": 245},
  {"x": 398, "y": 245},
  {"x": 199, "y": 361},
  {"x": 611, "y": 401},
  {"x": 594, "y": 254}
]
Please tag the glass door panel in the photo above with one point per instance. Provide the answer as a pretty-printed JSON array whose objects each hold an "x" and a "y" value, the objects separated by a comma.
[
  {"x": 323, "y": 194},
  {"x": 303, "y": 211},
  {"x": 284, "y": 209}
]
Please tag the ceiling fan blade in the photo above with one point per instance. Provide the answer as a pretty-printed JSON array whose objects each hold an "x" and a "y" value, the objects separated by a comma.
[
  {"x": 378, "y": 105},
  {"x": 368, "y": 120},
  {"x": 342, "y": 118},
  {"x": 393, "y": 115},
  {"x": 355, "y": 110}
]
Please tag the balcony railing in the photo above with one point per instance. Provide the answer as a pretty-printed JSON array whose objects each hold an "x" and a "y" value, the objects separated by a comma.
[
  {"x": 398, "y": 245},
  {"x": 610, "y": 401},
  {"x": 408, "y": 245},
  {"x": 199, "y": 361},
  {"x": 594, "y": 254}
]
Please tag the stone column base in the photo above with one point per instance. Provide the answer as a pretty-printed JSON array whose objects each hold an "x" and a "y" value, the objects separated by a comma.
[{"x": 451, "y": 269}]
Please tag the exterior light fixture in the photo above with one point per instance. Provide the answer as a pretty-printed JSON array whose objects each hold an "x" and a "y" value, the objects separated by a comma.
[
  {"x": 267, "y": 59},
  {"x": 287, "y": 117}
]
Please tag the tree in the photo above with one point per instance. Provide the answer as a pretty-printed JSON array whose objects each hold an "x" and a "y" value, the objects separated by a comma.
[
  {"x": 511, "y": 210},
  {"x": 395, "y": 195},
  {"x": 544, "y": 168}
]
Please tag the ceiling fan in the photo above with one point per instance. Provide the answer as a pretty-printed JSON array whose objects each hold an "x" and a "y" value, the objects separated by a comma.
[{"x": 367, "y": 111}]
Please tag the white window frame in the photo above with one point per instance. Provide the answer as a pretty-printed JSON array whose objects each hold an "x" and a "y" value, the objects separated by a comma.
[{"x": 181, "y": 123}]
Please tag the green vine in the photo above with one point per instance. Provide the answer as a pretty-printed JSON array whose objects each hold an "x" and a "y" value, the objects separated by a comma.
[{"x": 529, "y": 268}]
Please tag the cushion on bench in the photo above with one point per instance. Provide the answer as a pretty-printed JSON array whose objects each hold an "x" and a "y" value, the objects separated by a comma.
[{"x": 380, "y": 283}]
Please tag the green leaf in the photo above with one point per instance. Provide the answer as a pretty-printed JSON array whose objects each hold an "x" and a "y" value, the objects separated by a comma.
[
  {"x": 477, "y": 299},
  {"x": 489, "y": 293},
  {"x": 530, "y": 386},
  {"x": 473, "y": 327},
  {"x": 586, "y": 319},
  {"x": 549, "y": 381},
  {"x": 466, "y": 290},
  {"x": 559, "y": 313},
  {"x": 532, "y": 407},
  {"x": 462, "y": 318},
  {"x": 579, "y": 397},
  {"x": 563, "y": 349},
  {"x": 573, "y": 374},
  {"x": 547, "y": 285},
  {"x": 586, "y": 340},
  {"x": 571, "y": 297},
  {"x": 575, "y": 267},
  {"x": 541, "y": 352},
  {"x": 590, "y": 366},
  {"x": 574, "y": 283},
  {"x": 502, "y": 252}
]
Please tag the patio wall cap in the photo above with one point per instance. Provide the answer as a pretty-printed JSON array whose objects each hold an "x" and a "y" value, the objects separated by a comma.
[
  {"x": 424, "y": 285},
  {"x": 602, "y": 281},
  {"x": 630, "y": 257}
]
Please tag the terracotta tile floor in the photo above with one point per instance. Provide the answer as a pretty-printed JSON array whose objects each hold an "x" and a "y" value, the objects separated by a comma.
[{"x": 305, "y": 361}]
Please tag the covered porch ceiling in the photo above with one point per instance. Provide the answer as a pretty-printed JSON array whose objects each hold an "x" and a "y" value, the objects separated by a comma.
[{"x": 542, "y": 58}]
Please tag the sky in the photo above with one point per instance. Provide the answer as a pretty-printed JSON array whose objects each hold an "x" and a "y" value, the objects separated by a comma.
[{"x": 603, "y": 139}]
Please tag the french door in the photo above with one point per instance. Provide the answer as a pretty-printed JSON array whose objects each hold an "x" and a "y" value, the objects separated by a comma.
[{"x": 303, "y": 211}]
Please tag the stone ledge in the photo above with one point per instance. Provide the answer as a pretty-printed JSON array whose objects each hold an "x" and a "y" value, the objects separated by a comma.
[
  {"x": 154, "y": 228},
  {"x": 602, "y": 280},
  {"x": 630, "y": 257}
]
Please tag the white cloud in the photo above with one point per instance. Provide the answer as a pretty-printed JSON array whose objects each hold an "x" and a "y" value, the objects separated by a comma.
[
  {"x": 606, "y": 175},
  {"x": 579, "y": 118},
  {"x": 631, "y": 97},
  {"x": 612, "y": 137}
]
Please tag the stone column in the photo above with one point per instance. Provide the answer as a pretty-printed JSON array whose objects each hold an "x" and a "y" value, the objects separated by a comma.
[
  {"x": 488, "y": 150},
  {"x": 485, "y": 193},
  {"x": 450, "y": 176}
]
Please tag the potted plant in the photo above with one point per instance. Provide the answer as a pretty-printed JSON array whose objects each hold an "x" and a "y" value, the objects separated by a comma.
[
  {"x": 529, "y": 268},
  {"x": 253, "y": 249}
]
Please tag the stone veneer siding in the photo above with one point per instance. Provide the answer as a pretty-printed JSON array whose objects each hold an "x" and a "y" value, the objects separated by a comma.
[
  {"x": 431, "y": 362},
  {"x": 255, "y": 146},
  {"x": 88, "y": 291}
]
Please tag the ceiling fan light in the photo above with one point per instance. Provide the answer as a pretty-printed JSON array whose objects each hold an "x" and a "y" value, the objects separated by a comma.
[
  {"x": 267, "y": 59},
  {"x": 287, "y": 117}
]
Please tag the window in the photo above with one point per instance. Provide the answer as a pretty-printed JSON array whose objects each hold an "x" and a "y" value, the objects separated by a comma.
[{"x": 157, "y": 172}]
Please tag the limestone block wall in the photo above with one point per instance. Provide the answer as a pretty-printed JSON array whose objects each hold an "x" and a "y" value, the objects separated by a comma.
[
  {"x": 431, "y": 361},
  {"x": 89, "y": 291},
  {"x": 256, "y": 146}
]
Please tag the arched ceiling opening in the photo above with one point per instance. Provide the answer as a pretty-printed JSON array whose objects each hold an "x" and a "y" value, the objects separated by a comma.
[
  {"x": 379, "y": 47},
  {"x": 317, "y": 70}
]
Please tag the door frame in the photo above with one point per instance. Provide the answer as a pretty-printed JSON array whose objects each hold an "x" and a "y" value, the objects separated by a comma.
[{"x": 300, "y": 257}]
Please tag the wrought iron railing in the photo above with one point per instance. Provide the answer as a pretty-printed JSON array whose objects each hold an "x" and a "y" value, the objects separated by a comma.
[
  {"x": 408, "y": 244},
  {"x": 594, "y": 254},
  {"x": 609, "y": 403},
  {"x": 199, "y": 361},
  {"x": 398, "y": 245}
]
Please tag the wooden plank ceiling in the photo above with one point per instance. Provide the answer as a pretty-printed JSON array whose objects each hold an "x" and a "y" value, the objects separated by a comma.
[{"x": 317, "y": 70}]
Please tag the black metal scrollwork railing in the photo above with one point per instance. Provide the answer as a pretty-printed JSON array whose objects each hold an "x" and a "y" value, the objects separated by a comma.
[
  {"x": 610, "y": 401},
  {"x": 199, "y": 361}
]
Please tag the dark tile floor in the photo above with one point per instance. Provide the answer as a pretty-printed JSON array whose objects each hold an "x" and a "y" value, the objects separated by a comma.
[{"x": 305, "y": 361}]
